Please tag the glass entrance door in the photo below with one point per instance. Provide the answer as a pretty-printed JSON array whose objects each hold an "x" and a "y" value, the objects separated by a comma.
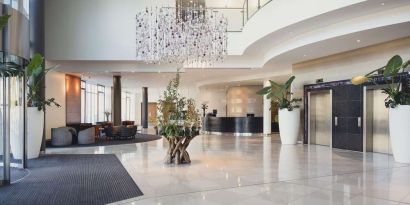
[
  {"x": 12, "y": 118},
  {"x": 12, "y": 128}
]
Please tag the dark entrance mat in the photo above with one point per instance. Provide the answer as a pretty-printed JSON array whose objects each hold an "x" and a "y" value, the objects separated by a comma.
[
  {"x": 72, "y": 179},
  {"x": 139, "y": 138},
  {"x": 15, "y": 173}
]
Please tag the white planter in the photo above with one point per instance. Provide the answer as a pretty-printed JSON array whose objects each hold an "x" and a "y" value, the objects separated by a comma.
[
  {"x": 35, "y": 124},
  {"x": 289, "y": 125},
  {"x": 399, "y": 128}
]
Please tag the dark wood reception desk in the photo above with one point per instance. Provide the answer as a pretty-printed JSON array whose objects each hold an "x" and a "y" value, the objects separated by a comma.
[{"x": 239, "y": 125}]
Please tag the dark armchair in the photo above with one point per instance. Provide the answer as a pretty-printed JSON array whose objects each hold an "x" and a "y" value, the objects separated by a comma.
[{"x": 128, "y": 132}]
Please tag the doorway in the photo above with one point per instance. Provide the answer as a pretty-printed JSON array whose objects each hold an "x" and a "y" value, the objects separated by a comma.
[
  {"x": 377, "y": 121},
  {"x": 320, "y": 117}
]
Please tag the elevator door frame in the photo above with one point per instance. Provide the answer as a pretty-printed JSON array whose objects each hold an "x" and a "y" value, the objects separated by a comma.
[{"x": 309, "y": 108}]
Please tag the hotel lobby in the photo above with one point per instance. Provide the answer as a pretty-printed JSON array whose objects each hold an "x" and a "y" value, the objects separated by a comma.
[{"x": 138, "y": 102}]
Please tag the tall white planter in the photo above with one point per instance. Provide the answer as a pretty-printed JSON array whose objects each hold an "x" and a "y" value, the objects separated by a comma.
[
  {"x": 399, "y": 128},
  {"x": 289, "y": 125},
  {"x": 35, "y": 124}
]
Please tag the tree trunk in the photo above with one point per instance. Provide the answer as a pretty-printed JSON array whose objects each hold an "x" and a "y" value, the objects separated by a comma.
[{"x": 177, "y": 152}]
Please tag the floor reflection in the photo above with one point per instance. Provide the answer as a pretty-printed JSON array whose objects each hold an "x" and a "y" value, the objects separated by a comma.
[{"x": 245, "y": 170}]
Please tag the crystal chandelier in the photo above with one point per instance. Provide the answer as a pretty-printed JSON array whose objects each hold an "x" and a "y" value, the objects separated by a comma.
[{"x": 192, "y": 36}]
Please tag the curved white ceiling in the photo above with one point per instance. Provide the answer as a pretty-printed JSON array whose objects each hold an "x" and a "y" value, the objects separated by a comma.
[{"x": 280, "y": 34}]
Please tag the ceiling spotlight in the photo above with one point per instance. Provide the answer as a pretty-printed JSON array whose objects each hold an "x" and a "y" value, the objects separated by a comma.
[
  {"x": 159, "y": 71},
  {"x": 304, "y": 55},
  {"x": 358, "y": 41},
  {"x": 382, "y": 4}
]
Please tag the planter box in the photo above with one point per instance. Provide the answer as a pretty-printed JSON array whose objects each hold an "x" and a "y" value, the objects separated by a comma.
[
  {"x": 35, "y": 124},
  {"x": 399, "y": 127},
  {"x": 289, "y": 125}
]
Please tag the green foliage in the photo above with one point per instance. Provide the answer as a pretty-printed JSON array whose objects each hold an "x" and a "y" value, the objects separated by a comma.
[
  {"x": 396, "y": 96},
  {"x": 280, "y": 93},
  {"x": 36, "y": 74},
  {"x": 178, "y": 116}
]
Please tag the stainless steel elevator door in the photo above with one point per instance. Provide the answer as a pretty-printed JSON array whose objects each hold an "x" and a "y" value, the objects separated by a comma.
[
  {"x": 320, "y": 119},
  {"x": 377, "y": 121}
]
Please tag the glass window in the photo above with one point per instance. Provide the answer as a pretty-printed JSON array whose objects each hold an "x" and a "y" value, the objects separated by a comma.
[
  {"x": 83, "y": 94},
  {"x": 127, "y": 106},
  {"x": 108, "y": 103},
  {"x": 95, "y": 100},
  {"x": 101, "y": 103}
]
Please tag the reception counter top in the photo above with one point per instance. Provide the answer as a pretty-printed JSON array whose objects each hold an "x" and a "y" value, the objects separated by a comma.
[{"x": 239, "y": 125}]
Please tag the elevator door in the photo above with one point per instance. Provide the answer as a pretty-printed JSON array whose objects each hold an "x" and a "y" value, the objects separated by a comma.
[
  {"x": 347, "y": 106},
  {"x": 320, "y": 119},
  {"x": 377, "y": 121}
]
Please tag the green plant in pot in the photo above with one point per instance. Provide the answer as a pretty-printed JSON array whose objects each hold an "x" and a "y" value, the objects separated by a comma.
[
  {"x": 178, "y": 122},
  {"x": 289, "y": 112},
  {"x": 35, "y": 104},
  {"x": 36, "y": 74},
  {"x": 398, "y": 103}
]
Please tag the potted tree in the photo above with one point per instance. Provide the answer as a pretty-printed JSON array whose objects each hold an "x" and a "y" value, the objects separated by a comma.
[
  {"x": 35, "y": 103},
  {"x": 289, "y": 112},
  {"x": 398, "y": 103},
  {"x": 178, "y": 122}
]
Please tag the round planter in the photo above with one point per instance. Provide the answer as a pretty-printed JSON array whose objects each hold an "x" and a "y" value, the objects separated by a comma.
[
  {"x": 289, "y": 125},
  {"x": 399, "y": 128},
  {"x": 35, "y": 124}
]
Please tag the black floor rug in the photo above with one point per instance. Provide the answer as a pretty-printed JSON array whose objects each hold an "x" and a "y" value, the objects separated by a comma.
[
  {"x": 72, "y": 179},
  {"x": 139, "y": 138}
]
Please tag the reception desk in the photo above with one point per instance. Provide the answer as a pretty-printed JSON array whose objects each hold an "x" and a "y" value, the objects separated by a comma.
[{"x": 237, "y": 125}]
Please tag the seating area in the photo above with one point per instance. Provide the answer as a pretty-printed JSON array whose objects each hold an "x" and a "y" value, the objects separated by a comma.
[{"x": 87, "y": 133}]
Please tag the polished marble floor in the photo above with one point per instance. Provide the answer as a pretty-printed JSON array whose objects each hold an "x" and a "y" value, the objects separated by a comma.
[{"x": 259, "y": 170}]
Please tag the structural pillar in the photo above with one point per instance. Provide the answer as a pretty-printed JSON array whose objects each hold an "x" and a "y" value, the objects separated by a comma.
[
  {"x": 37, "y": 45},
  {"x": 267, "y": 114},
  {"x": 144, "y": 108},
  {"x": 116, "y": 100}
]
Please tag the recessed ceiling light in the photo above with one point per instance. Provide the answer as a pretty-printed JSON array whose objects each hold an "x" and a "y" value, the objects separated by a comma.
[
  {"x": 304, "y": 55},
  {"x": 358, "y": 41},
  {"x": 159, "y": 71},
  {"x": 382, "y": 4}
]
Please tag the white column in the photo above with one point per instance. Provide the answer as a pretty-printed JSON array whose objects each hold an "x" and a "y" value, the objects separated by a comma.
[{"x": 267, "y": 116}]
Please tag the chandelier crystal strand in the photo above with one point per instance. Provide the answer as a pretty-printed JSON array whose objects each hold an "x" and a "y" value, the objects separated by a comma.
[{"x": 191, "y": 36}]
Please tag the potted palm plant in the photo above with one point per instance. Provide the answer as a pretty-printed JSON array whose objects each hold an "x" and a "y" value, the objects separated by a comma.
[
  {"x": 398, "y": 103},
  {"x": 178, "y": 122},
  {"x": 35, "y": 103},
  {"x": 289, "y": 111}
]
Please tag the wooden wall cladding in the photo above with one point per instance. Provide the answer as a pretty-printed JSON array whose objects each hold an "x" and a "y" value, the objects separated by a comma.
[{"x": 73, "y": 99}]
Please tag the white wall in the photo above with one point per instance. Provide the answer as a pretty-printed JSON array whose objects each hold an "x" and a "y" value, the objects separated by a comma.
[
  {"x": 215, "y": 98},
  {"x": 243, "y": 100},
  {"x": 93, "y": 29},
  {"x": 55, "y": 88},
  {"x": 349, "y": 64},
  {"x": 105, "y": 29}
]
